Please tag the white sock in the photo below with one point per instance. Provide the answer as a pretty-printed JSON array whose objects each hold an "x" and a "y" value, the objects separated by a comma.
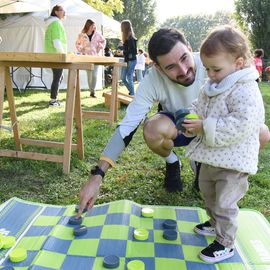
[{"x": 171, "y": 158}]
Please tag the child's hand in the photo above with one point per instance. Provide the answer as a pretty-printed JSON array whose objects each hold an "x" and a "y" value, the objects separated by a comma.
[{"x": 193, "y": 127}]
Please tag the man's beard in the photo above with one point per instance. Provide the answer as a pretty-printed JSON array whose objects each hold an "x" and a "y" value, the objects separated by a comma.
[{"x": 188, "y": 81}]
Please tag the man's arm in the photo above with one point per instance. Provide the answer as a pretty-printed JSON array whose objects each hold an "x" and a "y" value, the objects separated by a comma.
[
  {"x": 90, "y": 190},
  {"x": 136, "y": 113}
]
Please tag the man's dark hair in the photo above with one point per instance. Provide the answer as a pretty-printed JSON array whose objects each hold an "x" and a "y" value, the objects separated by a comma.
[{"x": 163, "y": 40}]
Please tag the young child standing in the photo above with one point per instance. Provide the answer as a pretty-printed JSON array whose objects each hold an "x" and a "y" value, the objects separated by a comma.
[
  {"x": 258, "y": 55},
  {"x": 231, "y": 113}
]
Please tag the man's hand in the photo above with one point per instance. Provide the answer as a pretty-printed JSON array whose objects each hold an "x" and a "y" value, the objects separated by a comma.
[
  {"x": 89, "y": 193},
  {"x": 90, "y": 190}
]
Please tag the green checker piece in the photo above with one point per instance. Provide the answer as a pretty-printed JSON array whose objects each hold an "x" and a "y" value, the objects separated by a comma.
[
  {"x": 8, "y": 241},
  {"x": 192, "y": 116},
  {"x": 136, "y": 265},
  {"x": 141, "y": 234},
  {"x": 147, "y": 212},
  {"x": 18, "y": 255}
]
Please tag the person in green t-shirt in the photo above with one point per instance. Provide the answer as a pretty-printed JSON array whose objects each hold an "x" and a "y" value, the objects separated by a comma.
[{"x": 55, "y": 42}]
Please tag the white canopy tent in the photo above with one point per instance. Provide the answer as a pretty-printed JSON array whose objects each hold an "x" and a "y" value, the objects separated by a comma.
[
  {"x": 19, "y": 6},
  {"x": 26, "y": 34}
]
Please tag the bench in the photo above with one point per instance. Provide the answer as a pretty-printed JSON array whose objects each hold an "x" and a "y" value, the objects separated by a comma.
[{"x": 121, "y": 97}]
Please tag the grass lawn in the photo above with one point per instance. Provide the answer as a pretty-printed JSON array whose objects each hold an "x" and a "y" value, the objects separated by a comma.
[{"x": 138, "y": 175}]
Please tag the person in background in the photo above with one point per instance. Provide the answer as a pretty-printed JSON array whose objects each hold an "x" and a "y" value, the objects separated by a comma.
[
  {"x": 258, "y": 55},
  {"x": 91, "y": 42},
  {"x": 140, "y": 66},
  {"x": 147, "y": 63},
  {"x": 231, "y": 111},
  {"x": 120, "y": 53},
  {"x": 108, "y": 69},
  {"x": 55, "y": 42},
  {"x": 120, "y": 50},
  {"x": 108, "y": 52},
  {"x": 130, "y": 52}
]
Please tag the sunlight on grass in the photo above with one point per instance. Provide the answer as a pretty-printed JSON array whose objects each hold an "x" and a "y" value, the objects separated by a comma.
[{"x": 138, "y": 175}]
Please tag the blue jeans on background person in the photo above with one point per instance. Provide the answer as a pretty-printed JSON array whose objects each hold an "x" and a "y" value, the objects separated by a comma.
[
  {"x": 123, "y": 73},
  {"x": 127, "y": 76},
  {"x": 139, "y": 74}
]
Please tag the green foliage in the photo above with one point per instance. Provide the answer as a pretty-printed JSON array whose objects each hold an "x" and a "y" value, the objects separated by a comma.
[
  {"x": 138, "y": 175},
  {"x": 141, "y": 13},
  {"x": 196, "y": 27},
  {"x": 108, "y": 7},
  {"x": 253, "y": 17},
  {"x": 143, "y": 42}
]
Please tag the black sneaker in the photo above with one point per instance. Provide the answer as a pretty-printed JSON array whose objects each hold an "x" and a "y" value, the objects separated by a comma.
[
  {"x": 205, "y": 229},
  {"x": 54, "y": 103},
  {"x": 216, "y": 252},
  {"x": 93, "y": 95},
  {"x": 172, "y": 181},
  {"x": 195, "y": 166}
]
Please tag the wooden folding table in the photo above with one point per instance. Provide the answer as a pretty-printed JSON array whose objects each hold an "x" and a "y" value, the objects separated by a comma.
[{"x": 74, "y": 63}]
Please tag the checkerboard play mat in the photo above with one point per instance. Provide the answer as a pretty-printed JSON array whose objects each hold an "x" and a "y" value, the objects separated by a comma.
[{"x": 43, "y": 230}]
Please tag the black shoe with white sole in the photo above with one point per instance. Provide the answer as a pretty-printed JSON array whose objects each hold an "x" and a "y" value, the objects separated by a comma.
[
  {"x": 205, "y": 229},
  {"x": 216, "y": 252}
]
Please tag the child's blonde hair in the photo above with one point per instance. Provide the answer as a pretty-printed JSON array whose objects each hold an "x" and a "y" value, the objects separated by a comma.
[{"x": 229, "y": 40}]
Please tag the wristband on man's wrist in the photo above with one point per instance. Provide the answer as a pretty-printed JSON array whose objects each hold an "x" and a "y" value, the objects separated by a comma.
[{"x": 97, "y": 171}]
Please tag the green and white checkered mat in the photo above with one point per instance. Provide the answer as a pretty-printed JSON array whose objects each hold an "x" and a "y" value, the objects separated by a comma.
[{"x": 43, "y": 230}]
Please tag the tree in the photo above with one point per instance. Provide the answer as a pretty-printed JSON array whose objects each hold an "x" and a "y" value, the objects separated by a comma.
[
  {"x": 196, "y": 27},
  {"x": 108, "y": 7},
  {"x": 253, "y": 17},
  {"x": 141, "y": 13}
]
